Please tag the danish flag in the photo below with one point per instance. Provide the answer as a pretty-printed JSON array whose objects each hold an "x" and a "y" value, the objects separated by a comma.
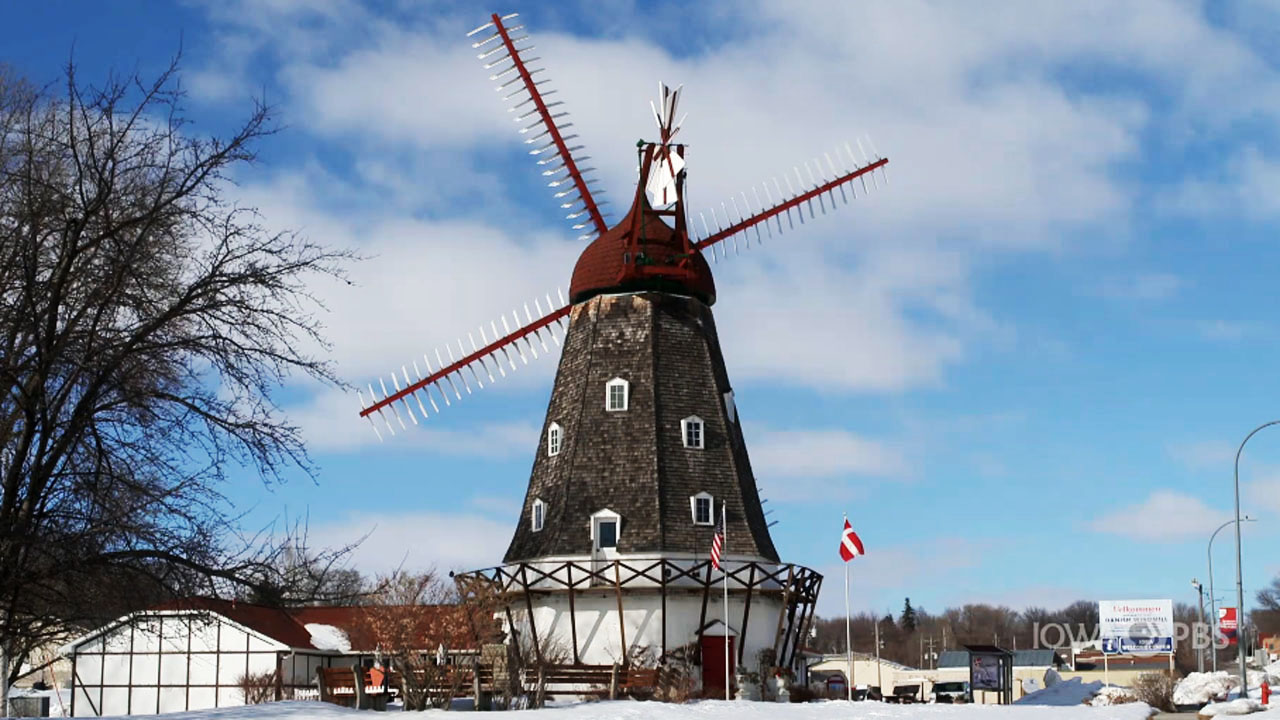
[{"x": 850, "y": 543}]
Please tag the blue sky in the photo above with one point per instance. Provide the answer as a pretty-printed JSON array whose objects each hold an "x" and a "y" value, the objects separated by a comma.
[{"x": 1022, "y": 368}]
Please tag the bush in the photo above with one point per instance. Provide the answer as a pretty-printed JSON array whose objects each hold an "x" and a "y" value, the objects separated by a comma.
[
  {"x": 1156, "y": 690},
  {"x": 258, "y": 688}
]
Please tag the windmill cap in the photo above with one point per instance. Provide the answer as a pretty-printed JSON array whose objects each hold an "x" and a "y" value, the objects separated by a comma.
[{"x": 601, "y": 264}]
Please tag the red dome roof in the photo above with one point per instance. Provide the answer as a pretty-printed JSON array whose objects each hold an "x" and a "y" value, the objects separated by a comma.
[{"x": 601, "y": 265}]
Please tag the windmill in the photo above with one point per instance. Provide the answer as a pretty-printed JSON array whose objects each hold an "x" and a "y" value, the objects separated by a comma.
[{"x": 641, "y": 448}]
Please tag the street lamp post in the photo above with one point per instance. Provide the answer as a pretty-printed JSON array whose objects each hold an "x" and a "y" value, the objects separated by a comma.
[
  {"x": 1196, "y": 635},
  {"x": 1244, "y": 679},
  {"x": 1213, "y": 610}
]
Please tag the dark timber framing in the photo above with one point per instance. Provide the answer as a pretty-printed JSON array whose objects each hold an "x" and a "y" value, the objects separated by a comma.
[{"x": 797, "y": 586}]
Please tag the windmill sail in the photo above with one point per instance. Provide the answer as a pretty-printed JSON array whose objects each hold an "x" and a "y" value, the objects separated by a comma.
[
  {"x": 505, "y": 53},
  {"x": 821, "y": 187},
  {"x": 454, "y": 376}
]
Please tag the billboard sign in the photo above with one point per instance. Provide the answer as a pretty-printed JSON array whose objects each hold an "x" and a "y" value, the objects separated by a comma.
[
  {"x": 1136, "y": 626},
  {"x": 1228, "y": 626},
  {"x": 984, "y": 672}
]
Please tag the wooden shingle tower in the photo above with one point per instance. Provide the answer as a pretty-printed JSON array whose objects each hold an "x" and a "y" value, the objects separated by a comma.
[{"x": 642, "y": 446}]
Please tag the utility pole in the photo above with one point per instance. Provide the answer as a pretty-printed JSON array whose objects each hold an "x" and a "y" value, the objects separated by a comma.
[
  {"x": 1195, "y": 636},
  {"x": 879, "y": 681},
  {"x": 1240, "y": 615}
]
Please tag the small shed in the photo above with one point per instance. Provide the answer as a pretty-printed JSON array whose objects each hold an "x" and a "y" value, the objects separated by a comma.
[{"x": 197, "y": 653}]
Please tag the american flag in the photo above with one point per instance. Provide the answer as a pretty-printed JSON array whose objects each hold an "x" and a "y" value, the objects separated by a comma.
[{"x": 717, "y": 542}]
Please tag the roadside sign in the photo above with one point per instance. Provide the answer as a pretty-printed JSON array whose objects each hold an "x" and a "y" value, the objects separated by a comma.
[
  {"x": 1136, "y": 626},
  {"x": 1228, "y": 625}
]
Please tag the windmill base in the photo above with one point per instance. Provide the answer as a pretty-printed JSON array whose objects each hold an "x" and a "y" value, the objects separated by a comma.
[{"x": 652, "y": 611}]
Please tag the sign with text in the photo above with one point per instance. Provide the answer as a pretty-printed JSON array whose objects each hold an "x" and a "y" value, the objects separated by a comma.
[
  {"x": 1136, "y": 626},
  {"x": 1228, "y": 626}
]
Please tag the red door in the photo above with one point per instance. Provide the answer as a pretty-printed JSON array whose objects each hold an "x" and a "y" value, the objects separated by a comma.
[{"x": 713, "y": 662}]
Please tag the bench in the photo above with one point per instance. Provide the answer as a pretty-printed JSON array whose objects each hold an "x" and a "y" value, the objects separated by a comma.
[
  {"x": 904, "y": 694},
  {"x": 353, "y": 687},
  {"x": 599, "y": 680}
]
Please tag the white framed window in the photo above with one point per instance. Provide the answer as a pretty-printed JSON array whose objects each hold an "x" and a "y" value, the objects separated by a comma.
[
  {"x": 538, "y": 514},
  {"x": 692, "y": 431},
  {"x": 701, "y": 506},
  {"x": 615, "y": 395},
  {"x": 606, "y": 528},
  {"x": 555, "y": 438}
]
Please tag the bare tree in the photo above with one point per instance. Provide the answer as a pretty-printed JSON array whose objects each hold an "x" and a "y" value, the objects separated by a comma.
[
  {"x": 145, "y": 322},
  {"x": 1267, "y": 615},
  {"x": 410, "y": 619}
]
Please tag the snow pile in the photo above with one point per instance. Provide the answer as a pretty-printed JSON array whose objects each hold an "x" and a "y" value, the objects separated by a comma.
[
  {"x": 704, "y": 710},
  {"x": 1112, "y": 695},
  {"x": 1199, "y": 688},
  {"x": 328, "y": 637},
  {"x": 1068, "y": 692},
  {"x": 1239, "y": 706}
]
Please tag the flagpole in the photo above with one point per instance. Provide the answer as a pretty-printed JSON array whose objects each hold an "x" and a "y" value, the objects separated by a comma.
[
  {"x": 724, "y": 570},
  {"x": 848, "y": 645}
]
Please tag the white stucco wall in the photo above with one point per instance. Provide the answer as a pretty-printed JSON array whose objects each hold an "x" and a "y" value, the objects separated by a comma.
[{"x": 599, "y": 639}]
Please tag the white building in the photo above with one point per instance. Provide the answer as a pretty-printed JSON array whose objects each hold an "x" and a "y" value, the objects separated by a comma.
[{"x": 193, "y": 655}]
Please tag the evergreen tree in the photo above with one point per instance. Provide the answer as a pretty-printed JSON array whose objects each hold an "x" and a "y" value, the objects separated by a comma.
[{"x": 908, "y": 621}]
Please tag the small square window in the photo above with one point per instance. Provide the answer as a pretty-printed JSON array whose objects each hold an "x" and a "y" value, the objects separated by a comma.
[
  {"x": 702, "y": 510},
  {"x": 691, "y": 432},
  {"x": 554, "y": 436},
  {"x": 539, "y": 515},
  {"x": 702, "y": 507},
  {"x": 615, "y": 399},
  {"x": 608, "y": 537}
]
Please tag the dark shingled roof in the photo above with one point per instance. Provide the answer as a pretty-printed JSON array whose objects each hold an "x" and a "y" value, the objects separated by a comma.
[
  {"x": 634, "y": 462},
  {"x": 288, "y": 625}
]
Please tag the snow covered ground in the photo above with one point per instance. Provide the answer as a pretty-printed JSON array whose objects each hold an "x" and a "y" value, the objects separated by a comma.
[{"x": 704, "y": 710}]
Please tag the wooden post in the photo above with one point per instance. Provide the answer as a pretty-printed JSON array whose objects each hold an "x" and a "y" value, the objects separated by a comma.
[
  {"x": 362, "y": 698},
  {"x": 795, "y": 642},
  {"x": 528, "y": 603},
  {"x": 613, "y": 682},
  {"x": 746, "y": 614},
  {"x": 782, "y": 613},
  {"x": 702, "y": 619},
  {"x": 573, "y": 616},
  {"x": 540, "y": 698},
  {"x": 622, "y": 625},
  {"x": 475, "y": 683},
  {"x": 663, "y": 575},
  {"x": 515, "y": 633}
]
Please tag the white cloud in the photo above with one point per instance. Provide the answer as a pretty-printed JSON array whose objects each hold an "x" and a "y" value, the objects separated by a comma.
[
  {"x": 821, "y": 454},
  {"x": 1244, "y": 186},
  {"x": 1225, "y": 330},
  {"x": 993, "y": 148},
  {"x": 1164, "y": 516},
  {"x": 1203, "y": 454},
  {"x": 892, "y": 569},
  {"x": 1144, "y": 286},
  {"x": 417, "y": 540},
  {"x": 1262, "y": 496}
]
